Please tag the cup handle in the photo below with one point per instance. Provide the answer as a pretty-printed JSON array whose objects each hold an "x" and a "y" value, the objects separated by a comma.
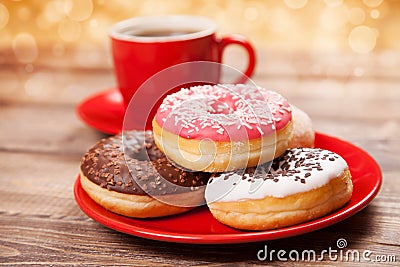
[{"x": 242, "y": 41}]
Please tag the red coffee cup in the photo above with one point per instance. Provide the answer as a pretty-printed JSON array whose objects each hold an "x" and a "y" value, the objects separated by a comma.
[{"x": 143, "y": 46}]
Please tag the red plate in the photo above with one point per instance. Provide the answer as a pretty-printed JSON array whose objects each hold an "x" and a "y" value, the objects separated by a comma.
[
  {"x": 103, "y": 111},
  {"x": 199, "y": 227}
]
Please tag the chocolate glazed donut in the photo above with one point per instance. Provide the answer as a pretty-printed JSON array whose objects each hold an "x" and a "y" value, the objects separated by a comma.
[{"x": 129, "y": 175}]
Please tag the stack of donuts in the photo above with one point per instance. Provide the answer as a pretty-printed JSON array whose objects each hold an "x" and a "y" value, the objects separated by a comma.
[{"x": 242, "y": 150}]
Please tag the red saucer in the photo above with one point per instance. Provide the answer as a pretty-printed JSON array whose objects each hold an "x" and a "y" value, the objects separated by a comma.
[
  {"x": 103, "y": 111},
  {"x": 199, "y": 226}
]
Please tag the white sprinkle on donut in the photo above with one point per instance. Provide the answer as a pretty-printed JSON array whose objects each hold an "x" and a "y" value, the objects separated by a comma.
[{"x": 224, "y": 112}]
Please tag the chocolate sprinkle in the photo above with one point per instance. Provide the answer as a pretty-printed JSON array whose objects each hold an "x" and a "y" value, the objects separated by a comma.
[
  {"x": 137, "y": 168},
  {"x": 287, "y": 166}
]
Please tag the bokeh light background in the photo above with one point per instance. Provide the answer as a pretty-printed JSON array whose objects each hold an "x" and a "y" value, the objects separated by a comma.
[{"x": 36, "y": 31}]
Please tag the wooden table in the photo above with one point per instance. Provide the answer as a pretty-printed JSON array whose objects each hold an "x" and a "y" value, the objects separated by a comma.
[{"x": 354, "y": 97}]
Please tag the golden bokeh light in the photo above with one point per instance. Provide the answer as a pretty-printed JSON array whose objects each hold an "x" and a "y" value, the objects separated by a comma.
[
  {"x": 374, "y": 13},
  {"x": 358, "y": 71},
  {"x": 4, "y": 16},
  {"x": 58, "y": 49},
  {"x": 333, "y": 18},
  {"x": 38, "y": 85},
  {"x": 372, "y": 3},
  {"x": 60, "y": 26},
  {"x": 29, "y": 67},
  {"x": 296, "y": 4},
  {"x": 356, "y": 15},
  {"x": 53, "y": 12},
  {"x": 362, "y": 39},
  {"x": 24, "y": 13},
  {"x": 280, "y": 21},
  {"x": 78, "y": 10},
  {"x": 333, "y": 2},
  {"x": 251, "y": 13},
  {"x": 97, "y": 29},
  {"x": 69, "y": 30},
  {"x": 25, "y": 48}
]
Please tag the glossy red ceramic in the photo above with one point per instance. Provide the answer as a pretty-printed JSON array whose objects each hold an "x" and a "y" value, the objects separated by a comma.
[
  {"x": 199, "y": 227},
  {"x": 137, "y": 57},
  {"x": 103, "y": 111}
]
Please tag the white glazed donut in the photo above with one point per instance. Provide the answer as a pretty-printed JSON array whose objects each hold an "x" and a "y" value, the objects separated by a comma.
[
  {"x": 303, "y": 184},
  {"x": 222, "y": 127}
]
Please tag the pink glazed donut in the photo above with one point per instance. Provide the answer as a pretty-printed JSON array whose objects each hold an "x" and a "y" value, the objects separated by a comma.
[{"x": 216, "y": 128}]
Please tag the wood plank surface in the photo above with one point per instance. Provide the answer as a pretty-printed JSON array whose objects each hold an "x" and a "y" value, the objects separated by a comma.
[{"x": 355, "y": 98}]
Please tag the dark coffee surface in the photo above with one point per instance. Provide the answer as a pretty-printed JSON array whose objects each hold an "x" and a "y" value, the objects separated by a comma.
[{"x": 161, "y": 33}]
